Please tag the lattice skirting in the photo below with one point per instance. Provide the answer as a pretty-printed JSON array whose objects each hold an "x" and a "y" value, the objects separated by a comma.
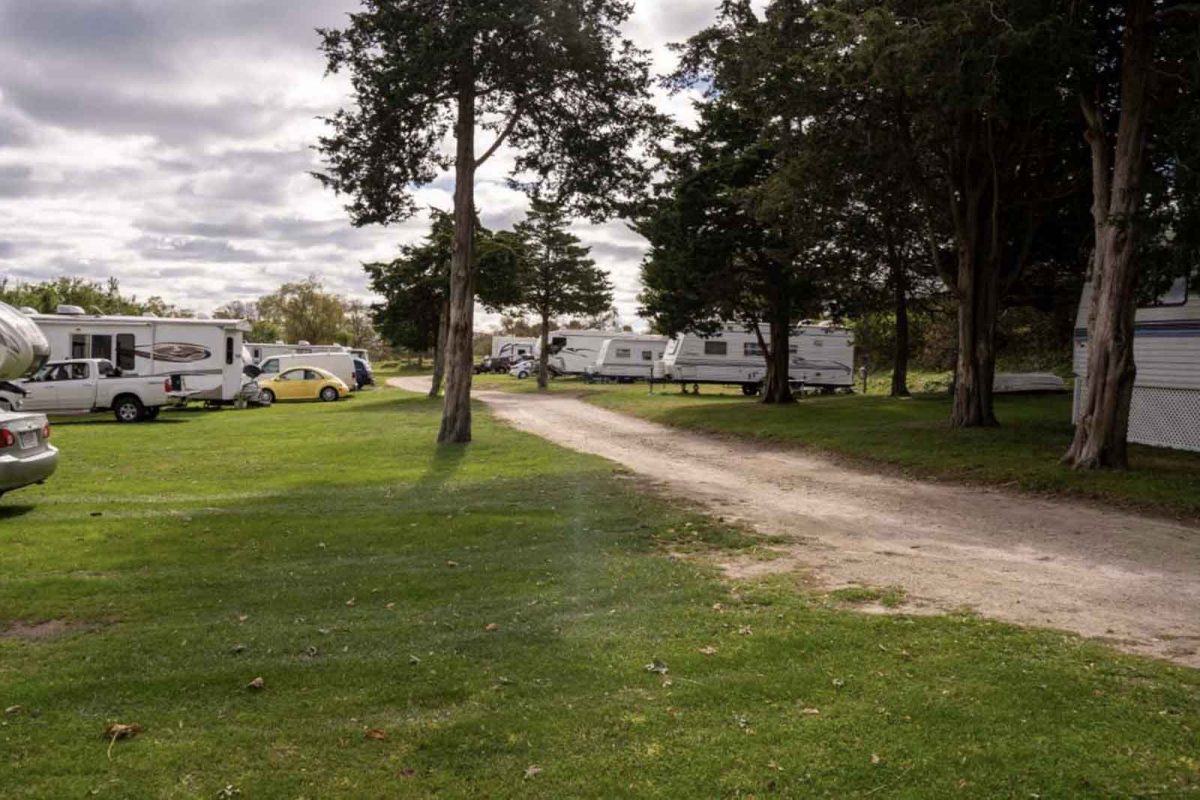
[{"x": 1159, "y": 417}]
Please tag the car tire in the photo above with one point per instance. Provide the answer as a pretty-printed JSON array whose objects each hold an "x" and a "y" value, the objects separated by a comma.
[
  {"x": 266, "y": 397},
  {"x": 522, "y": 375},
  {"x": 152, "y": 413},
  {"x": 329, "y": 394},
  {"x": 129, "y": 409},
  {"x": 5, "y": 406}
]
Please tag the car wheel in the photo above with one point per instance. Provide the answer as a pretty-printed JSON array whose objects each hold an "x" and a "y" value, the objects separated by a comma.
[
  {"x": 329, "y": 394},
  {"x": 266, "y": 397},
  {"x": 5, "y": 406},
  {"x": 522, "y": 374},
  {"x": 152, "y": 413},
  {"x": 129, "y": 409}
]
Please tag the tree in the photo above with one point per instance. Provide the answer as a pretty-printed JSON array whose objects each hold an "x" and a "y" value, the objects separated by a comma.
[
  {"x": 261, "y": 329},
  {"x": 552, "y": 79},
  {"x": 92, "y": 296},
  {"x": 359, "y": 329},
  {"x": 1119, "y": 171},
  {"x": 305, "y": 311},
  {"x": 557, "y": 276},
  {"x": 415, "y": 313}
]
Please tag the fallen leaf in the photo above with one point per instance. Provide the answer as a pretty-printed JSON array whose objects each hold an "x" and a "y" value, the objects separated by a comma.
[
  {"x": 257, "y": 685},
  {"x": 390, "y": 605},
  {"x": 243, "y": 617},
  {"x": 657, "y": 666},
  {"x": 491, "y": 627},
  {"x": 875, "y": 759},
  {"x": 238, "y": 648},
  {"x": 376, "y": 734},
  {"x": 350, "y": 602},
  {"x": 451, "y": 563},
  {"x": 708, "y": 650},
  {"x": 119, "y": 730},
  {"x": 810, "y": 712},
  {"x": 11, "y": 710},
  {"x": 414, "y": 660},
  {"x": 532, "y": 770},
  {"x": 408, "y": 772},
  {"x": 745, "y": 630}
]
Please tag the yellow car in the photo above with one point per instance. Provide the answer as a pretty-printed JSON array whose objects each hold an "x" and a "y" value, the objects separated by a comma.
[{"x": 302, "y": 383}]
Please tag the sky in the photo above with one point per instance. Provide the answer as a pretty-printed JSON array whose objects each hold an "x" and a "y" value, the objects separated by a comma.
[{"x": 168, "y": 144}]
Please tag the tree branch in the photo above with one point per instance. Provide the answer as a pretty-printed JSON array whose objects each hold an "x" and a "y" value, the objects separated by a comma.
[{"x": 508, "y": 129}]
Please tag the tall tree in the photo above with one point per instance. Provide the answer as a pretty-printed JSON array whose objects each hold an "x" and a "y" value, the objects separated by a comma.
[
  {"x": 551, "y": 79},
  {"x": 415, "y": 313},
  {"x": 305, "y": 311},
  {"x": 1148, "y": 66},
  {"x": 557, "y": 275}
]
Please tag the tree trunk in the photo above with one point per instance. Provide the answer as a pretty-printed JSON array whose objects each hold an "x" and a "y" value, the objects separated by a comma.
[
  {"x": 1100, "y": 436},
  {"x": 456, "y": 413},
  {"x": 975, "y": 374},
  {"x": 543, "y": 376},
  {"x": 439, "y": 355},
  {"x": 778, "y": 387},
  {"x": 900, "y": 292}
]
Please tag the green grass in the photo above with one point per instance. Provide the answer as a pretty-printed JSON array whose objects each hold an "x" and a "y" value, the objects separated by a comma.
[
  {"x": 333, "y": 551},
  {"x": 914, "y": 436}
]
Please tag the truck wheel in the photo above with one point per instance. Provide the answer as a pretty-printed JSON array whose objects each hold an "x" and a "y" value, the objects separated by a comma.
[
  {"x": 329, "y": 394},
  {"x": 152, "y": 413},
  {"x": 129, "y": 409}
]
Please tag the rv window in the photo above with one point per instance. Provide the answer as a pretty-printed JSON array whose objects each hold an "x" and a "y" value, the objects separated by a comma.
[
  {"x": 793, "y": 348},
  {"x": 1175, "y": 296},
  {"x": 716, "y": 348},
  {"x": 624, "y": 352},
  {"x": 228, "y": 349},
  {"x": 102, "y": 346},
  {"x": 78, "y": 345},
  {"x": 126, "y": 357},
  {"x": 751, "y": 349},
  {"x": 647, "y": 355}
]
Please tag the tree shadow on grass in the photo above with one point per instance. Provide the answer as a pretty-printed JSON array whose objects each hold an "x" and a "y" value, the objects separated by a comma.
[{"x": 12, "y": 512}]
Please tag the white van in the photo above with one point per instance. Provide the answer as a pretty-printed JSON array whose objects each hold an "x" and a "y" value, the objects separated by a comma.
[{"x": 340, "y": 364}]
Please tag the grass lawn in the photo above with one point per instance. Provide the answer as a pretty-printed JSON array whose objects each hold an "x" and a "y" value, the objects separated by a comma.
[{"x": 489, "y": 613}]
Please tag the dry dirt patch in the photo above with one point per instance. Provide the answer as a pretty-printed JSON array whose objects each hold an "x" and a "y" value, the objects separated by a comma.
[{"x": 42, "y": 630}]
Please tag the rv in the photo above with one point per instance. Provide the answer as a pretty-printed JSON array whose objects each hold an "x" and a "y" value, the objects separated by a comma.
[
  {"x": 1166, "y": 350},
  {"x": 260, "y": 351},
  {"x": 514, "y": 348},
  {"x": 572, "y": 352},
  {"x": 627, "y": 357},
  {"x": 206, "y": 354},
  {"x": 822, "y": 356}
]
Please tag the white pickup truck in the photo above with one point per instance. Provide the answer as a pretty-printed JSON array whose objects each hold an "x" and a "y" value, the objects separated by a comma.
[{"x": 84, "y": 385}]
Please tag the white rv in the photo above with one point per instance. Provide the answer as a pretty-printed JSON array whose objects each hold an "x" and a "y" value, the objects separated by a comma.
[
  {"x": 1166, "y": 350},
  {"x": 260, "y": 351},
  {"x": 572, "y": 352},
  {"x": 628, "y": 357},
  {"x": 207, "y": 354},
  {"x": 822, "y": 356},
  {"x": 513, "y": 347}
]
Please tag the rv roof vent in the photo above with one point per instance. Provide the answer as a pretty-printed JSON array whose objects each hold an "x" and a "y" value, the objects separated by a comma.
[
  {"x": 27, "y": 311},
  {"x": 71, "y": 310},
  {"x": 303, "y": 343}
]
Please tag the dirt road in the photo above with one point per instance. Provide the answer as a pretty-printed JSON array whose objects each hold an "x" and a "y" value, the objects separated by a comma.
[{"x": 1127, "y": 579}]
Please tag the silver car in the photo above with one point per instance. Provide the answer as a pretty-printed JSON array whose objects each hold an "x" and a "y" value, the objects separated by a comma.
[{"x": 26, "y": 455}]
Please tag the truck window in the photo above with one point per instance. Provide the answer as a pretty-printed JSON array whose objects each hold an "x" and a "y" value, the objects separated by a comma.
[
  {"x": 78, "y": 345},
  {"x": 102, "y": 346},
  {"x": 77, "y": 372},
  {"x": 106, "y": 369},
  {"x": 126, "y": 357}
]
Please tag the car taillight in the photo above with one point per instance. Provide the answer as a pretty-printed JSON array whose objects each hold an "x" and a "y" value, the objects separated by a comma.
[
  {"x": 46, "y": 432},
  {"x": 6, "y": 438}
]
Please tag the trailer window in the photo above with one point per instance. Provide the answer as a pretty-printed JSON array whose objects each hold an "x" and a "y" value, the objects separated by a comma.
[
  {"x": 102, "y": 346},
  {"x": 78, "y": 345},
  {"x": 716, "y": 348},
  {"x": 624, "y": 352},
  {"x": 228, "y": 349},
  {"x": 647, "y": 355},
  {"x": 751, "y": 349},
  {"x": 1175, "y": 296},
  {"x": 126, "y": 357}
]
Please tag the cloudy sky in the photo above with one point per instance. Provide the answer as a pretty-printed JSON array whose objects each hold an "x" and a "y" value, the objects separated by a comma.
[{"x": 167, "y": 143}]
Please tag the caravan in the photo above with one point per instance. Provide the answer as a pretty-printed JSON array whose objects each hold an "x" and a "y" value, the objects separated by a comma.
[
  {"x": 572, "y": 352},
  {"x": 206, "y": 354},
  {"x": 822, "y": 356},
  {"x": 514, "y": 348},
  {"x": 1166, "y": 350},
  {"x": 628, "y": 357}
]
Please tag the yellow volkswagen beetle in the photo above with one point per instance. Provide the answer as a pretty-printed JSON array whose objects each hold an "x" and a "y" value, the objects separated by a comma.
[{"x": 302, "y": 383}]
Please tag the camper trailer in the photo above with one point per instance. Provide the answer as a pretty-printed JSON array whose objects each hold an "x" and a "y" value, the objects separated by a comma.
[
  {"x": 1166, "y": 350},
  {"x": 513, "y": 348},
  {"x": 206, "y": 354},
  {"x": 260, "y": 351},
  {"x": 572, "y": 352},
  {"x": 628, "y": 357},
  {"x": 822, "y": 356}
]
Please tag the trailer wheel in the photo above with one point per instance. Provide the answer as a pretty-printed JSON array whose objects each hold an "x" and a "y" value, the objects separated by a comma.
[
  {"x": 751, "y": 389},
  {"x": 129, "y": 409}
]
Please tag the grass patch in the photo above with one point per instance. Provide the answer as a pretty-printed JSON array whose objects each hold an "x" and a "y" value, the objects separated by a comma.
[
  {"x": 892, "y": 597},
  {"x": 914, "y": 435},
  {"x": 489, "y": 610}
]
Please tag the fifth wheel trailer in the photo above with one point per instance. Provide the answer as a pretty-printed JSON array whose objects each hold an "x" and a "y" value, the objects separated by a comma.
[
  {"x": 822, "y": 356},
  {"x": 207, "y": 354},
  {"x": 1166, "y": 349}
]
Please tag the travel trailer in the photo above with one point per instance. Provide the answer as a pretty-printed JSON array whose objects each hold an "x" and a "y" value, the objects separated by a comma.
[
  {"x": 572, "y": 352},
  {"x": 340, "y": 364},
  {"x": 206, "y": 354},
  {"x": 1166, "y": 350},
  {"x": 259, "y": 351},
  {"x": 628, "y": 357},
  {"x": 822, "y": 356},
  {"x": 513, "y": 347}
]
